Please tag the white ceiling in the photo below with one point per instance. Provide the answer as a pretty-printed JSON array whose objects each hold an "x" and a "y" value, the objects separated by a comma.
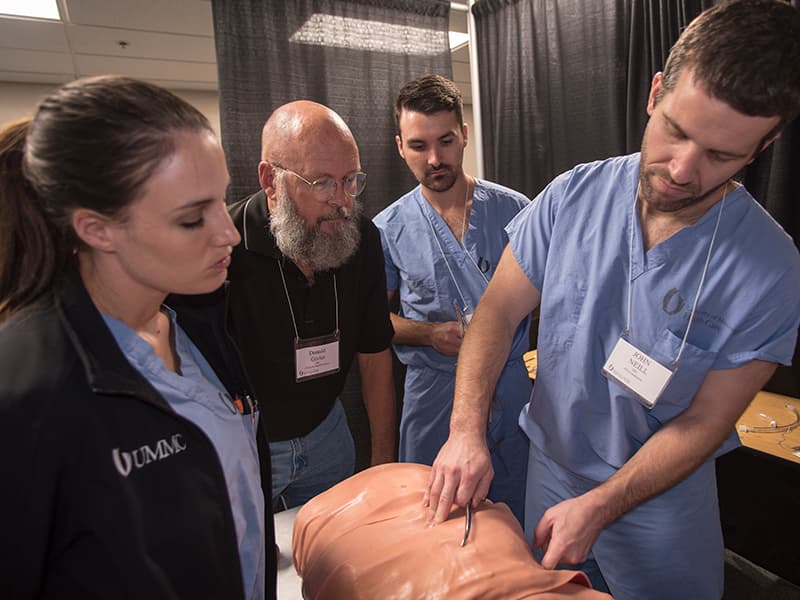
[{"x": 168, "y": 42}]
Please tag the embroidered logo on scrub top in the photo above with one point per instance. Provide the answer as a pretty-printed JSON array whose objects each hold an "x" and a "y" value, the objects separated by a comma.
[
  {"x": 678, "y": 305},
  {"x": 484, "y": 265}
]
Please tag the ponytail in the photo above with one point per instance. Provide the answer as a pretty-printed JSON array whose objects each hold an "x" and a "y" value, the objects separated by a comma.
[{"x": 29, "y": 247}]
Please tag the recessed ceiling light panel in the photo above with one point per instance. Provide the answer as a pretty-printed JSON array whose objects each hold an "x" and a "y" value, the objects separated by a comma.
[{"x": 39, "y": 9}]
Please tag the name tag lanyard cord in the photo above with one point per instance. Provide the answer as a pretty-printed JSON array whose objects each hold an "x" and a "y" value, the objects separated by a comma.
[
  {"x": 289, "y": 301},
  {"x": 464, "y": 302},
  {"x": 627, "y": 331}
]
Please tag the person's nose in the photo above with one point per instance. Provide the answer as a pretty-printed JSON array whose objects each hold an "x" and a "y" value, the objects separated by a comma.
[
  {"x": 225, "y": 233},
  {"x": 341, "y": 198},
  {"x": 684, "y": 164},
  {"x": 434, "y": 157}
]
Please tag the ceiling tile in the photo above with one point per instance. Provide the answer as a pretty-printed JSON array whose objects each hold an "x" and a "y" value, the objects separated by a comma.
[
  {"x": 141, "y": 44},
  {"x": 32, "y": 34},
  {"x": 174, "y": 16},
  {"x": 34, "y": 61},
  {"x": 146, "y": 68},
  {"x": 28, "y": 77}
]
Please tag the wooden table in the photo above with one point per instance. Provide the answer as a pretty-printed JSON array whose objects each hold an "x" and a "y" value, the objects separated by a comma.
[
  {"x": 531, "y": 363},
  {"x": 766, "y": 408}
]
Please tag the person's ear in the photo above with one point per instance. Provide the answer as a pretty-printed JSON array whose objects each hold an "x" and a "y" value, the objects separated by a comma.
[
  {"x": 266, "y": 175},
  {"x": 656, "y": 88},
  {"x": 267, "y": 179},
  {"x": 399, "y": 141},
  {"x": 764, "y": 146},
  {"x": 93, "y": 229},
  {"x": 465, "y": 133}
]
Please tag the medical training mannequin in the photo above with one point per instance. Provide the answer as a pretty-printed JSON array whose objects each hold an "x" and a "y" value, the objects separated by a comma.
[{"x": 368, "y": 537}]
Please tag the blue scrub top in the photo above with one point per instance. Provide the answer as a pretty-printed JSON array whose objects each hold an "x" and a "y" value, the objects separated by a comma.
[
  {"x": 572, "y": 242},
  {"x": 418, "y": 247},
  {"x": 198, "y": 395}
]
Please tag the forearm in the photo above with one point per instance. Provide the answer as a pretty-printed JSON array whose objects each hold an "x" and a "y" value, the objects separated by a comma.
[
  {"x": 410, "y": 332},
  {"x": 684, "y": 443},
  {"x": 568, "y": 529},
  {"x": 667, "y": 458},
  {"x": 377, "y": 391},
  {"x": 462, "y": 471},
  {"x": 480, "y": 362}
]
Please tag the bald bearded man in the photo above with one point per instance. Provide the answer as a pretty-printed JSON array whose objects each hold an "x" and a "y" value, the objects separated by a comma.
[{"x": 307, "y": 295}]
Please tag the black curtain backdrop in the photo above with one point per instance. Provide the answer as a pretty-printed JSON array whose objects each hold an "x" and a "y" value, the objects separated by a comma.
[
  {"x": 351, "y": 55},
  {"x": 566, "y": 81}
]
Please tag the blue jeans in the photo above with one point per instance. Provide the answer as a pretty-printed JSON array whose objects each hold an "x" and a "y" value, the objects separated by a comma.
[{"x": 306, "y": 466}]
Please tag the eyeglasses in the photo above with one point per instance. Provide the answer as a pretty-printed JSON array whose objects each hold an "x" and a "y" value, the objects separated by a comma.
[{"x": 324, "y": 188}]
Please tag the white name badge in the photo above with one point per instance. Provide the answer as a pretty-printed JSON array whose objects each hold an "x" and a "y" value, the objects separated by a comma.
[
  {"x": 634, "y": 370},
  {"x": 316, "y": 357}
]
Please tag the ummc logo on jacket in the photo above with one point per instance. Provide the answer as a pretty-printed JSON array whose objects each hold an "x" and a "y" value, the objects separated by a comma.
[{"x": 124, "y": 461}]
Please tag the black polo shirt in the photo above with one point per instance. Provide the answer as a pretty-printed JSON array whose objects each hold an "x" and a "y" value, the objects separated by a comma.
[{"x": 261, "y": 323}]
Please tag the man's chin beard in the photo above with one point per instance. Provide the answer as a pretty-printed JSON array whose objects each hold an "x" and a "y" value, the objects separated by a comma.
[
  {"x": 440, "y": 183},
  {"x": 315, "y": 248},
  {"x": 651, "y": 196}
]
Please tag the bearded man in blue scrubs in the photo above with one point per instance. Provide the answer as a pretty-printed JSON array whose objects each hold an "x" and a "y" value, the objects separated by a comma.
[
  {"x": 667, "y": 298},
  {"x": 441, "y": 244}
]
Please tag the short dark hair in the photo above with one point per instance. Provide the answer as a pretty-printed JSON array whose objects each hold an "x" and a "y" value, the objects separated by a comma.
[
  {"x": 429, "y": 94},
  {"x": 745, "y": 53}
]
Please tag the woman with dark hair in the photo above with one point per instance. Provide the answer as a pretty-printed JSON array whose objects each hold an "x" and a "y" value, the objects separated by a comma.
[{"x": 134, "y": 460}]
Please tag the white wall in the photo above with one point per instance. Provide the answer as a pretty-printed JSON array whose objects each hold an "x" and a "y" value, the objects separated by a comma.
[
  {"x": 20, "y": 99},
  {"x": 470, "y": 160}
]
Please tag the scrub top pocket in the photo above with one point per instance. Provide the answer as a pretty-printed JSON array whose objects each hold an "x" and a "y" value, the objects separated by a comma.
[{"x": 692, "y": 368}]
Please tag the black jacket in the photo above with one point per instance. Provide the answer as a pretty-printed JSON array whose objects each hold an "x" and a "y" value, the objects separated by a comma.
[{"x": 106, "y": 491}]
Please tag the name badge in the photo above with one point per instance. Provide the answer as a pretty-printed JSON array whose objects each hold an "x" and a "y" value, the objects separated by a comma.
[
  {"x": 645, "y": 377},
  {"x": 316, "y": 357}
]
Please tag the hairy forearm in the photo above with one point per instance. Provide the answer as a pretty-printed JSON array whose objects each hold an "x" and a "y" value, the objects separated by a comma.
[
  {"x": 684, "y": 443},
  {"x": 480, "y": 362},
  {"x": 668, "y": 457},
  {"x": 410, "y": 332}
]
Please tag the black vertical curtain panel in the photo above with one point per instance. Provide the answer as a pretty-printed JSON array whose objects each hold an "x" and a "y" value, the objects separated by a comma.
[
  {"x": 351, "y": 55},
  {"x": 566, "y": 81}
]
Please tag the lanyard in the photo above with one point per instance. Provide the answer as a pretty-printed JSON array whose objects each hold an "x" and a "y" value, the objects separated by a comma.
[
  {"x": 289, "y": 300},
  {"x": 461, "y": 245},
  {"x": 627, "y": 331}
]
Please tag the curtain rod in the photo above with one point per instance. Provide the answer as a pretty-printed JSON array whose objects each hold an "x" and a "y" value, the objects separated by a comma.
[{"x": 459, "y": 6}]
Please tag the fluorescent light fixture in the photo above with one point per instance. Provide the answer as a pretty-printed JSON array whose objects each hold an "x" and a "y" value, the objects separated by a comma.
[
  {"x": 362, "y": 34},
  {"x": 457, "y": 39},
  {"x": 40, "y": 9}
]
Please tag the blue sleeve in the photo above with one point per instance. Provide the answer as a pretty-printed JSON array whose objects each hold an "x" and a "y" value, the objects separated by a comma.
[
  {"x": 770, "y": 334},
  {"x": 530, "y": 232},
  {"x": 392, "y": 275}
]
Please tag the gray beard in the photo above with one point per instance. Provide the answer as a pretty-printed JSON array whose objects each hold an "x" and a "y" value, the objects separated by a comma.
[{"x": 313, "y": 247}]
